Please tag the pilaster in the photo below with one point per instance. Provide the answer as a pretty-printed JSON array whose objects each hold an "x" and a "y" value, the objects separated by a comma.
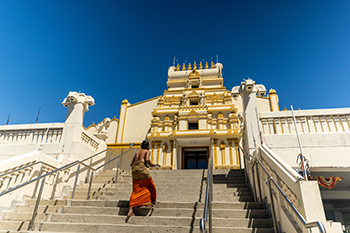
[{"x": 122, "y": 120}]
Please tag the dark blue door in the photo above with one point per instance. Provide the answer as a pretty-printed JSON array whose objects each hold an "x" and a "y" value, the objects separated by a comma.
[{"x": 196, "y": 160}]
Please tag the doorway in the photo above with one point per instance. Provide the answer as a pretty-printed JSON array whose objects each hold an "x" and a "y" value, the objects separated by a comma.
[{"x": 195, "y": 158}]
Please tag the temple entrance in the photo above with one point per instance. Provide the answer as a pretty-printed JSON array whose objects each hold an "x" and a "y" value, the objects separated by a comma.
[{"x": 195, "y": 158}]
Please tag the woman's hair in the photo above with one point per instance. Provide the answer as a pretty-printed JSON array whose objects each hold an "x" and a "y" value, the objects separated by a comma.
[{"x": 144, "y": 144}]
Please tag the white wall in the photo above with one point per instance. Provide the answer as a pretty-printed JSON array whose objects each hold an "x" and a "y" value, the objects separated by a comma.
[{"x": 138, "y": 120}]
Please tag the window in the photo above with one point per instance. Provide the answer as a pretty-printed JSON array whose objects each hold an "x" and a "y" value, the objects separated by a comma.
[
  {"x": 192, "y": 125},
  {"x": 194, "y": 102},
  {"x": 194, "y": 86}
]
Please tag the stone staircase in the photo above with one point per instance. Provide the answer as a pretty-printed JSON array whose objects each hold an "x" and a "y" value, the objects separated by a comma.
[{"x": 180, "y": 204}]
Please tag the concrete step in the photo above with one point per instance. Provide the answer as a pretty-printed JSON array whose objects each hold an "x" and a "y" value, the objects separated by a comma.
[
  {"x": 104, "y": 193},
  {"x": 125, "y": 203},
  {"x": 233, "y": 198},
  {"x": 123, "y": 187},
  {"x": 175, "y": 212},
  {"x": 104, "y": 184},
  {"x": 138, "y": 220},
  {"x": 231, "y": 193},
  {"x": 117, "y": 188},
  {"x": 126, "y": 228},
  {"x": 5, "y": 231}
]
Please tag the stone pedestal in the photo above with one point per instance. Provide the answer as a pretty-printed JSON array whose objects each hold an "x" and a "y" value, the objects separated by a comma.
[{"x": 101, "y": 136}]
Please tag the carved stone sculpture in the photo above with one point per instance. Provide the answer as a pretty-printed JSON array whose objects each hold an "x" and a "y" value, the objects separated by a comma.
[
  {"x": 102, "y": 127},
  {"x": 184, "y": 100},
  {"x": 188, "y": 84},
  {"x": 202, "y": 99}
]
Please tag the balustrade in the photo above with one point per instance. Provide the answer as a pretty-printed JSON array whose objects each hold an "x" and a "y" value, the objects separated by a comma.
[
  {"x": 88, "y": 141},
  {"x": 30, "y": 136},
  {"x": 282, "y": 123},
  {"x": 18, "y": 177}
]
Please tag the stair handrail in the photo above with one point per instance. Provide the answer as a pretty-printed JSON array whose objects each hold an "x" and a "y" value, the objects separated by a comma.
[
  {"x": 42, "y": 177},
  {"x": 208, "y": 198},
  {"x": 49, "y": 173},
  {"x": 111, "y": 160},
  {"x": 307, "y": 225}
]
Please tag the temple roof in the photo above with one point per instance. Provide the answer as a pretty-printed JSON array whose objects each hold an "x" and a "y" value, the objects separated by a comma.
[{"x": 213, "y": 71}]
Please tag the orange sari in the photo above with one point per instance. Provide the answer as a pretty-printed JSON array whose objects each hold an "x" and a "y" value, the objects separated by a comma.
[{"x": 144, "y": 191}]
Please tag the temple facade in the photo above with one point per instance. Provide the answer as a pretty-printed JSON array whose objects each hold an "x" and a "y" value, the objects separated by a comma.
[{"x": 195, "y": 113}]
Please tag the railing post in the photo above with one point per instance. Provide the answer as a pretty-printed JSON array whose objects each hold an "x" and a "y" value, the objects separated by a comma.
[
  {"x": 245, "y": 165},
  {"x": 258, "y": 179},
  {"x": 75, "y": 182},
  {"x": 88, "y": 194},
  {"x": 272, "y": 207},
  {"x": 37, "y": 183},
  {"x": 254, "y": 186},
  {"x": 88, "y": 173},
  {"x": 109, "y": 158},
  {"x": 31, "y": 223},
  {"x": 54, "y": 187},
  {"x": 116, "y": 174},
  {"x": 300, "y": 147},
  {"x": 239, "y": 158}
]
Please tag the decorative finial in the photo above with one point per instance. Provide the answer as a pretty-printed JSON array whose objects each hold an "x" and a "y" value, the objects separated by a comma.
[
  {"x": 200, "y": 66},
  {"x": 272, "y": 91},
  {"x": 189, "y": 66},
  {"x": 183, "y": 67},
  {"x": 178, "y": 67},
  {"x": 194, "y": 65},
  {"x": 212, "y": 65},
  {"x": 206, "y": 65}
]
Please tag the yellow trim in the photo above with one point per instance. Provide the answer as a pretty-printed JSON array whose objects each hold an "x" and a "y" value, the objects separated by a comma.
[
  {"x": 132, "y": 105},
  {"x": 237, "y": 152},
  {"x": 272, "y": 94},
  {"x": 115, "y": 119},
  {"x": 206, "y": 89},
  {"x": 122, "y": 145},
  {"x": 215, "y": 152},
  {"x": 158, "y": 149},
  {"x": 172, "y": 153},
  {"x": 116, "y": 138},
  {"x": 262, "y": 97},
  {"x": 222, "y": 151},
  {"x": 272, "y": 91},
  {"x": 165, "y": 153},
  {"x": 125, "y": 102},
  {"x": 230, "y": 148},
  {"x": 92, "y": 125},
  {"x": 152, "y": 150}
]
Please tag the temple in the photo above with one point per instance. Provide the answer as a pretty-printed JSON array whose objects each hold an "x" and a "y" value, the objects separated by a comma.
[
  {"x": 195, "y": 112},
  {"x": 294, "y": 161}
]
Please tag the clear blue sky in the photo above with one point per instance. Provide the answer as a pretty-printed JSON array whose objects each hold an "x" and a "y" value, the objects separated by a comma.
[{"x": 114, "y": 50}]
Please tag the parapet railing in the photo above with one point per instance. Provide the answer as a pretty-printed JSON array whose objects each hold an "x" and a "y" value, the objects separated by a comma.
[
  {"x": 254, "y": 163},
  {"x": 58, "y": 170},
  {"x": 307, "y": 121},
  {"x": 208, "y": 198},
  {"x": 52, "y": 134}
]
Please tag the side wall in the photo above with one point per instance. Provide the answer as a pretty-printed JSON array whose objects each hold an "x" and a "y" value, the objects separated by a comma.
[{"x": 138, "y": 120}]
